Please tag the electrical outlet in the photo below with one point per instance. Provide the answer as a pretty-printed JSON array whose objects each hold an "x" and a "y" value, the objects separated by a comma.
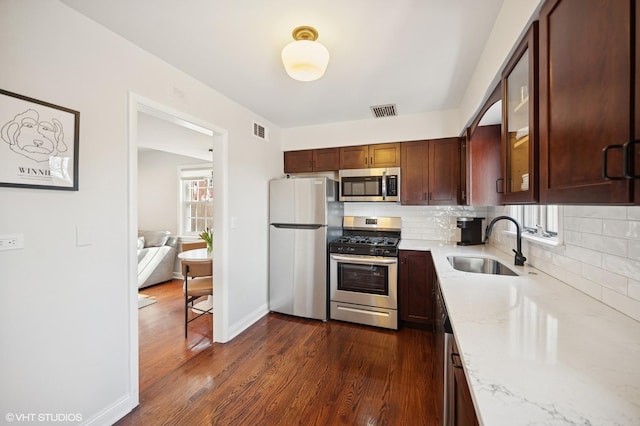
[{"x": 11, "y": 242}]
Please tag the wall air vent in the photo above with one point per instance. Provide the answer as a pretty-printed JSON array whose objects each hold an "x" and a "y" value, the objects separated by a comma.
[
  {"x": 380, "y": 111},
  {"x": 260, "y": 132}
]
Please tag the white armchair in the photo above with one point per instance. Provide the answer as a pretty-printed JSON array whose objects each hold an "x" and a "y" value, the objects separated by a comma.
[{"x": 156, "y": 257}]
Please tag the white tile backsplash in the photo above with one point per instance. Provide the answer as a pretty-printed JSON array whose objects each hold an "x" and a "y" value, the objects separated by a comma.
[
  {"x": 617, "y": 246},
  {"x": 600, "y": 254},
  {"x": 634, "y": 289},
  {"x": 436, "y": 223}
]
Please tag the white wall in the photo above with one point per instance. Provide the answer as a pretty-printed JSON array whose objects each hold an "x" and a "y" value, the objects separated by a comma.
[
  {"x": 65, "y": 309},
  {"x": 511, "y": 23},
  {"x": 158, "y": 196},
  {"x": 600, "y": 255},
  {"x": 433, "y": 125}
]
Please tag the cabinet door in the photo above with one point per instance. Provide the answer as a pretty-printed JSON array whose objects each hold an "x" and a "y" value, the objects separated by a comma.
[
  {"x": 414, "y": 185},
  {"x": 384, "y": 155},
  {"x": 326, "y": 160},
  {"x": 464, "y": 412},
  {"x": 520, "y": 123},
  {"x": 298, "y": 161},
  {"x": 585, "y": 88},
  {"x": 636, "y": 182},
  {"x": 416, "y": 290},
  {"x": 354, "y": 157},
  {"x": 484, "y": 158},
  {"x": 444, "y": 171}
]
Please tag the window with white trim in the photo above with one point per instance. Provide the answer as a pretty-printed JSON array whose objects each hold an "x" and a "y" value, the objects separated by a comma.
[
  {"x": 196, "y": 200},
  {"x": 541, "y": 221}
]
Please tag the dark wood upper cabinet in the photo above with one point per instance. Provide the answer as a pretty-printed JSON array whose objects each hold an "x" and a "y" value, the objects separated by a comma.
[
  {"x": 384, "y": 155},
  {"x": 370, "y": 156},
  {"x": 586, "y": 99},
  {"x": 484, "y": 153},
  {"x": 298, "y": 161},
  {"x": 312, "y": 160},
  {"x": 519, "y": 181},
  {"x": 444, "y": 171},
  {"x": 430, "y": 172},
  {"x": 414, "y": 184},
  {"x": 326, "y": 160}
]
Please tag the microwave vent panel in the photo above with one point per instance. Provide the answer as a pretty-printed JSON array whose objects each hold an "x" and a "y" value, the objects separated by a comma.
[
  {"x": 260, "y": 132},
  {"x": 380, "y": 111}
]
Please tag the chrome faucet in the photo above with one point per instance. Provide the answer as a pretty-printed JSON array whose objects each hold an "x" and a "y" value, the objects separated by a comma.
[{"x": 519, "y": 258}]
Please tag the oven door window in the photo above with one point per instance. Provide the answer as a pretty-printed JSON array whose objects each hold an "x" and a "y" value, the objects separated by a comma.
[{"x": 372, "y": 279}]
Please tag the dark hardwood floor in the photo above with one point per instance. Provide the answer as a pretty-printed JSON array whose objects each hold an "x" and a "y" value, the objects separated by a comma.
[{"x": 281, "y": 371}]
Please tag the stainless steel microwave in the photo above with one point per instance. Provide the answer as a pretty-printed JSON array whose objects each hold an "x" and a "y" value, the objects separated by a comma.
[{"x": 382, "y": 184}]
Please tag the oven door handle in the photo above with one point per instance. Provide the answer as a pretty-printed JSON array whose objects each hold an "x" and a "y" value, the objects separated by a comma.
[{"x": 364, "y": 261}]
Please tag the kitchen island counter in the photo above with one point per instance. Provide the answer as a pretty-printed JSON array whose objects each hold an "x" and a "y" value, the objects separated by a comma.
[{"x": 535, "y": 350}]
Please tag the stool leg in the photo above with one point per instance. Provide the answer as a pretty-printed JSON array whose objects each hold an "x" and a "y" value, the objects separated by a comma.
[{"x": 186, "y": 300}]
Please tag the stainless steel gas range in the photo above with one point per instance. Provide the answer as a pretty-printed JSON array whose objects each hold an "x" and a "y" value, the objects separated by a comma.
[{"x": 364, "y": 271}]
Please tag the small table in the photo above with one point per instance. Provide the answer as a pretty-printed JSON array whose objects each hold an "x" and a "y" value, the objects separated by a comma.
[
  {"x": 196, "y": 255},
  {"x": 199, "y": 255}
]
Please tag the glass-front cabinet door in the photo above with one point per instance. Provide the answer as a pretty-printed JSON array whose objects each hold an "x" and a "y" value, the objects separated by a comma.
[{"x": 518, "y": 183}]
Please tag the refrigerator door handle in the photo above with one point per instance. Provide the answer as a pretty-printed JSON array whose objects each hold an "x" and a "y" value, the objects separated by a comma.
[{"x": 296, "y": 226}]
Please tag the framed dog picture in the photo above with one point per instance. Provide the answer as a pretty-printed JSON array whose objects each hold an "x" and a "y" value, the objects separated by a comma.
[{"x": 39, "y": 143}]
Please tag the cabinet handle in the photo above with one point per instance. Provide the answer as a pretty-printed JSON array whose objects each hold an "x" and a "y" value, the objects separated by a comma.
[
  {"x": 366, "y": 160},
  {"x": 605, "y": 160},
  {"x": 455, "y": 364},
  {"x": 371, "y": 161},
  {"x": 498, "y": 185},
  {"x": 628, "y": 160}
]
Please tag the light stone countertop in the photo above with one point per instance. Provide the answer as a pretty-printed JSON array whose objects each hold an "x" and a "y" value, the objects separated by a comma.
[{"x": 535, "y": 350}]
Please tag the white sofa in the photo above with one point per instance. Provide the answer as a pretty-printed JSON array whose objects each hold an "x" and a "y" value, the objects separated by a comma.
[{"x": 156, "y": 257}]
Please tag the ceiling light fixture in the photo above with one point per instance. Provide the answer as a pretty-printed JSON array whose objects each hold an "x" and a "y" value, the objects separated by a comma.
[{"x": 305, "y": 59}]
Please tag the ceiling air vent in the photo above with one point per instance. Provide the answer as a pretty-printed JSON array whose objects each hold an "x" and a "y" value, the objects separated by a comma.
[
  {"x": 260, "y": 132},
  {"x": 380, "y": 111}
]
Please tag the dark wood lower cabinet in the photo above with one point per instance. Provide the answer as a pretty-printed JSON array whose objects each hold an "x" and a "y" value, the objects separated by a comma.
[
  {"x": 416, "y": 289},
  {"x": 464, "y": 412}
]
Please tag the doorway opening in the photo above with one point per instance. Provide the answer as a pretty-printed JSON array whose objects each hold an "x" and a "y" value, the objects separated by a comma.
[{"x": 208, "y": 146}]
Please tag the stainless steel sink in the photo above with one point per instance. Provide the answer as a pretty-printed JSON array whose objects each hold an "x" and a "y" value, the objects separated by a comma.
[{"x": 479, "y": 265}]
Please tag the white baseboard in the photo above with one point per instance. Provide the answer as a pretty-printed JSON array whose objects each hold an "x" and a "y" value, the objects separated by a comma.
[
  {"x": 114, "y": 412},
  {"x": 247, "y": 321}
]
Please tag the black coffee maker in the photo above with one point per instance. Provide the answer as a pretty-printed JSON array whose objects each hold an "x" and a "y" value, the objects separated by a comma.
[{"x": 470, "y": 230}]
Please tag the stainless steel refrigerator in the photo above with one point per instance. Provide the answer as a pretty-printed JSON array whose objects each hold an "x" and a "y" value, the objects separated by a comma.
[{"x": 304, "y": 215}]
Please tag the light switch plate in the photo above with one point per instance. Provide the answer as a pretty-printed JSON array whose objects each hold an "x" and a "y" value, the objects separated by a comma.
[{"x": 12, "y": 242}]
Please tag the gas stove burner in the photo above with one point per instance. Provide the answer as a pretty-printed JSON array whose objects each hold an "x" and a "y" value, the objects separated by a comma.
[
  {"x": 366, "y": 236},
  {"x": 365, "y": 245},
  {"x": 367, "y": 240}
]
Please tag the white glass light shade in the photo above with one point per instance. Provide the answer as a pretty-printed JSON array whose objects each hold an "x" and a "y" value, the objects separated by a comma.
[{"x": 305, "y": 60}]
